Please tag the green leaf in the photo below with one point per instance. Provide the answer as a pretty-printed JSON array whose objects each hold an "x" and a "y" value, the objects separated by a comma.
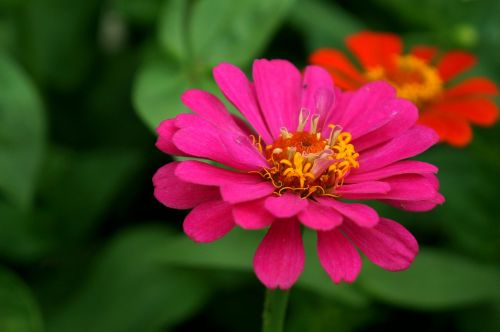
[
  {"x": 173, "y": 29},
  {"x": 157, "y": 91},
  {"x": 58, "y": 43},
  {"x": 131, "y": 289},
  {"x": 94, "y": 178},
  {"x": 469, "y": 221},
  {"x": 11, "y": 3},
  {"x": 159, "y": 86},
  {"x": 430, "y": 11},
  {"x": 488, "y": 315},
  {"x": 19, "y": 311},
  {"x": 22, "y": 134},
  {"x": 8, "y": 34},
  {"x": 233, "y": 31},
  {"x": 91, "y": 180},
  {"x": 138, "y": 11},
  {"x": 316, "y": 279},
  {"x": 325, "y": 24},
  {"x": 23, "y": 234},
  {"x": 329, "y": 314},
  {"x": 436, "y": 280},
  {"x": 235, "y": 251},
  {"x": 469, "y": 24},
  {"x": 75, "y": 187},
  {"x": 197, "y": 38}
]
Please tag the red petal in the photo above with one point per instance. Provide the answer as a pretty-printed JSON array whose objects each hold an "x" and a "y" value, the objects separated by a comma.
[
  {"x": 454, "y": 130},
  {"x": 425, "y": 53},
  {"x": 435, "y": 122},
  {"x": 344, "y": 74},
  {"x": 375, "y": 49},
  {"x": 472, "y": 86},
  {"x": 454, "y": 63},
  {"x": 459, "y": 133},
  {"x": 479, "y": 111}
]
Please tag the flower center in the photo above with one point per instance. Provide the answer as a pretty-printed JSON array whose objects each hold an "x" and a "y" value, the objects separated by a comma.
[
  {"x": 308, "y": 164},
  {"x": 413, "y": 79}
]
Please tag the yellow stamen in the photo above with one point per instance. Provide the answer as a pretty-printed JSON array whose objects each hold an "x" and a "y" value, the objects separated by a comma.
[
  {"x": 413, "y": 79},
  {"x": 307, "y": 164}
]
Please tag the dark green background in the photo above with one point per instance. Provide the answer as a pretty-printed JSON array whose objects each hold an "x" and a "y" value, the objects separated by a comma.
[{"x": 85, "y": 247}]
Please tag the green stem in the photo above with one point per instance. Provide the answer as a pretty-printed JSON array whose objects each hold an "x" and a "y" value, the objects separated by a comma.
[{"x": 273, "y": 317}]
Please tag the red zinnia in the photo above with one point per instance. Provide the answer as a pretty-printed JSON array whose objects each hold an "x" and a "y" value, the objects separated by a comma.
[{"x": 422, "y": 76}]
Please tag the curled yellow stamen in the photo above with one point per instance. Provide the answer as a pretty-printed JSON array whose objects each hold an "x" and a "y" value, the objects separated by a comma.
[{"x": 306, "y": 164}]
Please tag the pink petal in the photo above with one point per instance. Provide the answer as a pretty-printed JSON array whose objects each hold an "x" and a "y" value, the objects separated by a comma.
[
  {"x": 408, "y": 187},
  {"x": 177, "y": 194},
  {"x": 166, "y": 131},
  {"x": 229, "y": 148},
  {"x": 361, "y": 214},
  {"x": 189, "y": 141},
  {"x": 411, "y": 187},
  {"x": 243, "y": 126},
  {"x": 318, "y": 95},
  {"x": 279, "y": 259},
  {"x": 362, "y": 188},
  {"x": 286, "y": 205},
  {"x": 433, "y": 180},
  {"x": 243, "y": 192},
  {"x": 398, "y": 168},
  {"x": 277, "y": 84},
  {"x": 401, "y": 115},
  {"x": 252, "y": 215},
  {"x": 244, "y": 152},
  {"x": 364, "y": 105},
  {"x": 209, "y": 221},
  {"x": 412, "y": 142},
  {"x": 388, "y": 244},
  {"x": 320, "y": 217},
  {"x": 338, "y": 256},
  {"x": 209, "y": 107},
  {"x": 202, "y": 173},
  {"x": 187, "y": 120},
  {"x": 341, "y": 106},
  {"x": 417, "y": 206},
  {"x": 235, "y": 86}
]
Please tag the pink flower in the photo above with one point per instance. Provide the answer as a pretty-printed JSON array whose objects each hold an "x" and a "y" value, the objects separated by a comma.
[{"x": 309, "y": 149}]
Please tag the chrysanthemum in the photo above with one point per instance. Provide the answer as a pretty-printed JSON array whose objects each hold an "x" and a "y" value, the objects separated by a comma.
[
  {"x": 306, "y": 150},
  {"x": 423, "y": 76}
]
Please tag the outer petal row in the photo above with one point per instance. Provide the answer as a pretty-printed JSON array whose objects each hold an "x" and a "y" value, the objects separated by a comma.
[
  {"x": 177, "y": 194},
  {"x": 279, "y": 259}
]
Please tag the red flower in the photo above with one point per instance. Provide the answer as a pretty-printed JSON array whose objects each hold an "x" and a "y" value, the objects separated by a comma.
[{"x": 423, "y": 76}]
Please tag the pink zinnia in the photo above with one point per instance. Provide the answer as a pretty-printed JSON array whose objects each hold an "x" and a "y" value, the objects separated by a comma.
[{"x": 309, "y": 149}]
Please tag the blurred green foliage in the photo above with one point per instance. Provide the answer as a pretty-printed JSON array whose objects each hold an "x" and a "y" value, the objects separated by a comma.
[{"x": 82, "y": 85}]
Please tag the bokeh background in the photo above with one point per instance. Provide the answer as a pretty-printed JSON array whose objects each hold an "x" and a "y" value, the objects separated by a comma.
[{"x": 84, "y": 246}]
